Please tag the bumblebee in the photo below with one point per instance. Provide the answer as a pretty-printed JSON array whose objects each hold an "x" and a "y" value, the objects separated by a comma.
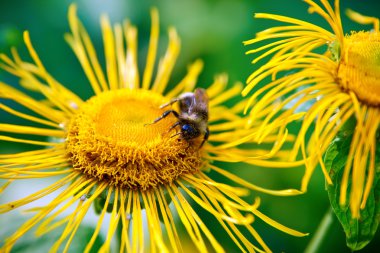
[{"x": 192, "y": 117}]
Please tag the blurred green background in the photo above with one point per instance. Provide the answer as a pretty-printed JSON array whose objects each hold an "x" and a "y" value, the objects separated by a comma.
[{"x": 212, "y": 30}]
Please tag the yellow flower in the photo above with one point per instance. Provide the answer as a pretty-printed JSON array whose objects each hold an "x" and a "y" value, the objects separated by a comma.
[
  {"x": 339, "y": 84},
  {"x": 108, "y": 151}
]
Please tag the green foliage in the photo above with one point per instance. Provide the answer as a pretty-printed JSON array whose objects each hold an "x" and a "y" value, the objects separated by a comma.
[
  {"x": 9, "y": 36},
  {"x": 359, "y": 232},
  {"x": 100, "y": 202}
]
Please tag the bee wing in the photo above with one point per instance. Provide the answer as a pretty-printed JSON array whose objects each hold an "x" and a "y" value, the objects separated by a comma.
[{"x": 201, "y": 98}]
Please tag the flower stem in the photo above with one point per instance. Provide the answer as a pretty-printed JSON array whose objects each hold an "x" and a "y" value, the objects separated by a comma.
[{"x": 317, "y": 239}]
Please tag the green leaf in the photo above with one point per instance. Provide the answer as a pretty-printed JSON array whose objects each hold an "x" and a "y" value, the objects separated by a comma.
[{"x": 359, "y": 232}]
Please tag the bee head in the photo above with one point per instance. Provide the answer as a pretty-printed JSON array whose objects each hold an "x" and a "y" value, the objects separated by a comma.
[{"x": 189, "y": 131}]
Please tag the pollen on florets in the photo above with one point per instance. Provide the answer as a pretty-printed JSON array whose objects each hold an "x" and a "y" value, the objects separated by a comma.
[
  {"x": 110, "y": 139},
  {"x": 359, "y": 66}
]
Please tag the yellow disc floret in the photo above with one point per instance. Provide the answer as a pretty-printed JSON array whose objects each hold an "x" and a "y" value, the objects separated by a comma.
[
  {"x": 110, "y": 139},
  {"x": 359, "y": 67}
]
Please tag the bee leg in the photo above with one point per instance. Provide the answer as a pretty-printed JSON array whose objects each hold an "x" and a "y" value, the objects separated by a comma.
[
  {"x": 169, "y": 103},
  {"x": 205, "y": 137},
  {"x": 174, "y": 125},
  {"x": 176, "y": 134},
  {"x": 164, "y": 115}
]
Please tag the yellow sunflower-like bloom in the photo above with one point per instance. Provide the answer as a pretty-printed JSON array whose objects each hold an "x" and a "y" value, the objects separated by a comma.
[
  {"x": 340, "y": 84},
  {"x": 108, "y": 150}
]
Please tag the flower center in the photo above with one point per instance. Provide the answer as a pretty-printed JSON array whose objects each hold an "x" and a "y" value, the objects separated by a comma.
[
  {"x": 109, "y": 139},
  {"x": 359, "y": 67}
]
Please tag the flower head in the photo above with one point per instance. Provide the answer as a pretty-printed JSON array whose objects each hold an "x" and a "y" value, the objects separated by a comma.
[
  {"x": 336, "y": 75},
  {"x": 124, "y": 150}
]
